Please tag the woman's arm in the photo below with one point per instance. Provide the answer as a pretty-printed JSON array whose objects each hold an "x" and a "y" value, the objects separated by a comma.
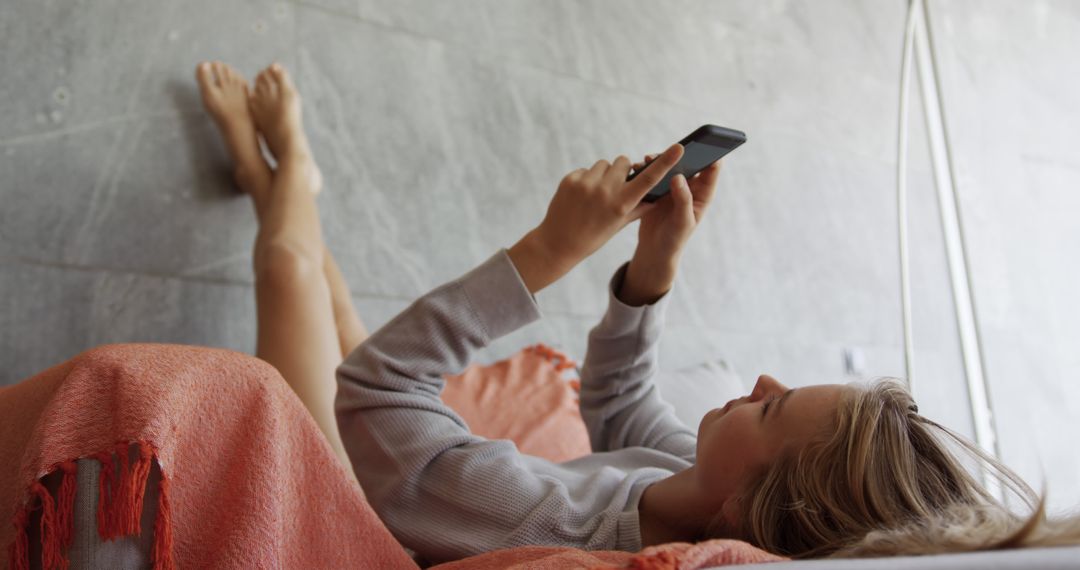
[
  {"x": 443, "y": 491},
  {"x": 619, "y": 402},
  {"x": 589, "y": 208}
]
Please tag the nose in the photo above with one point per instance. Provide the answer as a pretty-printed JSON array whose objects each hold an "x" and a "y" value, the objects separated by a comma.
[{"x": 767, "y": 386}]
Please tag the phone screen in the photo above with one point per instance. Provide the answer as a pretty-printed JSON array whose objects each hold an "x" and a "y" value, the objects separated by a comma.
[{"x": 696, "y": 157}]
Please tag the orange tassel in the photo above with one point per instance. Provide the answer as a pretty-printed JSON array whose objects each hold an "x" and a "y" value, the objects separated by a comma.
[
  {"x": 121, "y": 497},
  {"x": 65, "y": 506},
  {"x": 140, "y": 473},
  {"x": 20, "y": 549},
  {"x": 50, "y": 546},
  {"x": 163, "y": 539},
  {"x": 120, "y": 517}
]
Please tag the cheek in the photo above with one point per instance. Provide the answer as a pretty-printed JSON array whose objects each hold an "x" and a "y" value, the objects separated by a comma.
[{"x": 730, "y": 450}]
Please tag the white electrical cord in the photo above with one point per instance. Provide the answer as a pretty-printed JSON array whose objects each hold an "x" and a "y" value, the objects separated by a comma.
[
  {"x": 982, "y": 417},
  {"x": 913, "y": 13}
]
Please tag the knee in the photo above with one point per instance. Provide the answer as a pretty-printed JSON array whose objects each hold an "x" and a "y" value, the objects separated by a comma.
[{"x": 282, "y": 263}]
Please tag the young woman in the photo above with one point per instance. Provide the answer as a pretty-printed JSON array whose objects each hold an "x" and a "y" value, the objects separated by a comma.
[{"x": 836, "y": 470}]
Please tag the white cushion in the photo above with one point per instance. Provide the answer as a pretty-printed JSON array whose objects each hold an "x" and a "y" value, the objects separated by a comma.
[{"x": 695, "y": 390}]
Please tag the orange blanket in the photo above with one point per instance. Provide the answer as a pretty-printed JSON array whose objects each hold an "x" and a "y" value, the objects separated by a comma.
[
  {"x": 247, "y": 478},
  {"x": 248, "y": 481}
]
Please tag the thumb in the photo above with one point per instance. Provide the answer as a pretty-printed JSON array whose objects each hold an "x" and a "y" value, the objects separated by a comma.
[
  {"x": 640, "y": 210},
  {"x": 683, "y": 199}
]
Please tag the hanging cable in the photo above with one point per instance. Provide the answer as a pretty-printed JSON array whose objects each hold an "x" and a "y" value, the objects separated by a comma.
[{"x": 913, "y": 13}]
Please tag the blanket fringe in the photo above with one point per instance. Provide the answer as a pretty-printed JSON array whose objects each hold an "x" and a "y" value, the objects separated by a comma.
[
  {"x": 105, "y": 494},
  {"x": 121, "y": 494},
  {"x": 140, "y": 474},
  {"x": 65, "y": 506},
  {"x": 50, "y": 546},
  {"x": 20, "y": 549},
  {"x": 162, "y": 554}
]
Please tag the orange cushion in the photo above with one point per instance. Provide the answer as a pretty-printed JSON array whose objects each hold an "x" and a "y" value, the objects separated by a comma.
[{"x": 524, "y": 399}]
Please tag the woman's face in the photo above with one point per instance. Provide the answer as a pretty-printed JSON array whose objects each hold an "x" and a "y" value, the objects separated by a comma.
[{"x": 738, "y": 442}]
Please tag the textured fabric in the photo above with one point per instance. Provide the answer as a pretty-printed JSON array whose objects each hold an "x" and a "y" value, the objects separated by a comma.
[
  {"x": 1053, "y": 558},
  {"x": 672, "y": 556},
  {"x": 88, "y": 550},
  {"x": 524, "y": 399},
  {"x": 447, "y": 493},
  {"x": 252, "y": 482}
]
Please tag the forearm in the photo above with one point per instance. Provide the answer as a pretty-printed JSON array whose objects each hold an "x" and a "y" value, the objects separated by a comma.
[
  {"x": 439, "y": 333},
  {"x": 537, "y": 263},
  {"x": 619, "y": 402},
  {"x": 647, "y": 279},
  {"x": 393, "y": 380}
]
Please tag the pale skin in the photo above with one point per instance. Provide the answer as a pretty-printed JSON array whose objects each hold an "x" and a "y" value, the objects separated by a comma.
[
  {"x": 735, "y": 443},
  {"x": 306, "y": 319},
  {"x": 307, "y": 323}
]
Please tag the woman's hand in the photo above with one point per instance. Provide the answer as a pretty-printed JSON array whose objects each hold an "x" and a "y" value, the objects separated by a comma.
[
  {"x": 590, "y": 206},
  {"x": 663, "y": 234}
]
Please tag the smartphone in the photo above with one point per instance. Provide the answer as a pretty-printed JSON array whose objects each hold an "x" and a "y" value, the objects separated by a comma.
[{"x": 704, "y": 146}]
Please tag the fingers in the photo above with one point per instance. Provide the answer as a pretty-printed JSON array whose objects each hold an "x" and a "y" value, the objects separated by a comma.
[
  {"x": 594, "y": 174},
  {"x": 574, "y": 176},
  {"x": 703, "y": 187},
  {"x": 616, "y": 174},
  {"x": 636, "y": 189},
  {"x": 682, "y": 199},
  {"x": 640, "y": 210},
  {"x": 644, "y": 162},
  {"x": 712, "y": 170}
]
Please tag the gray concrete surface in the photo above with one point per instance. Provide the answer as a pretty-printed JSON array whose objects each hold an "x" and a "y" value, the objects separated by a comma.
[{"x": 443, "y": 128}]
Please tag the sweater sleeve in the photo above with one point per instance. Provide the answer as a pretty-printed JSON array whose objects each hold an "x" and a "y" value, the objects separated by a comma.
[
  {"x": 441, "y": 490},
  {"x": 619, "y": 401}
]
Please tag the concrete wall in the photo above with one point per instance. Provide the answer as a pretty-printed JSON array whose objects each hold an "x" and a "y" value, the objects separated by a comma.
[{"x": 443, "y": 129}]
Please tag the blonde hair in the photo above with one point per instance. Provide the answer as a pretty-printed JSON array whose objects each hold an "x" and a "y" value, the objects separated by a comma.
[{"x": 885, "y": 482}]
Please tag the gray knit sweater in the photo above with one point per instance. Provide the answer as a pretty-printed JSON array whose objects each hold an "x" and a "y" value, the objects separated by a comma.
[{"x": 447, "y": 493}]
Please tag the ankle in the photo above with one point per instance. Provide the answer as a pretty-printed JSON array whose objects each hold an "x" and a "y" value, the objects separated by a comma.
[{"x": 294, "y": 156}]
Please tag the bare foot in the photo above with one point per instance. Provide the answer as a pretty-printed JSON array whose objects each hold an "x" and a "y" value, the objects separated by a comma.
[
  {"x": 275, "y": 106},
  {"x": 225, "y": 96}
]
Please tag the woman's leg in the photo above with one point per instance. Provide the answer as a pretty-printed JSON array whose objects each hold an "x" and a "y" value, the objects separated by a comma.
[
  {"x": 254, "y": 177},
  {"x": 350, "y": 329},
  {"x": 299, "y": 292}
]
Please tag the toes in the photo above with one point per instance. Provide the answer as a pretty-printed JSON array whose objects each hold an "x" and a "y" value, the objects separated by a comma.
[
  {"x": 262, "y": 84},
  {"x": 204, "y": 74},
  {"x": 228, "y": 74},
  {"x": 234, "y": 76},
  {"x": 219, "y": 73},
  {"x": 282, "y": 76}
]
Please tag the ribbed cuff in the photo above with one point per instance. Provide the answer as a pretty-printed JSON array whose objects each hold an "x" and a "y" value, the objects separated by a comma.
[
  {"x": 623, "y": 317},
  {"x": 498, "y": 296},
  {"x": 628, "y": 535}
]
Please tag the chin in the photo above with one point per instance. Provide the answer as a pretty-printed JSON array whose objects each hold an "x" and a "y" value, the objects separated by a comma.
[{"x": 708, "y": 418}]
